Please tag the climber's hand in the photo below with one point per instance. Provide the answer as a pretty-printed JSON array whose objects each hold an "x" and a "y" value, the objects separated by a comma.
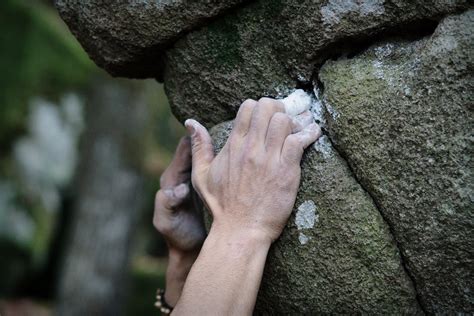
[
  {"x": 176, "y": 217},
  {"x": 251, "y": 185}
]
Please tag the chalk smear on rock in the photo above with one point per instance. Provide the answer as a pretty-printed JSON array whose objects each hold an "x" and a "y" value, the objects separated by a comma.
[{"x": 306, "y": 218}]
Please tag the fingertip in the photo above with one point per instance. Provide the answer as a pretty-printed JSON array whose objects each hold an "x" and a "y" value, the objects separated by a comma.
[
  {"x": 313, "y": 128},
  {"x": 314, "y": 132},
  {"x": 181, "y": 190},
  {"x": 303, "y": 120}
]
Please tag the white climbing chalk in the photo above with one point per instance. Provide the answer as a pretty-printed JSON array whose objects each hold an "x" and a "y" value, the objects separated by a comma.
[
  {"x": 306, "y": 217},
  {"x": 297, "y": 102}
]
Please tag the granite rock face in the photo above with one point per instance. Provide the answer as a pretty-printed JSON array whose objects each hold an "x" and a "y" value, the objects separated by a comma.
[
  {"x": 402, "y": 115},
  {"x": 383, "y": 222},
  {"x": 128, "y": 37},
  {"x": 268, "y": 46}
]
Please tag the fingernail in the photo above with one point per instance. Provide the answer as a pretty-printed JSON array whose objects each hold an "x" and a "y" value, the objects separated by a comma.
[
  {"x": 181, "y": 190},
  {"x": 313, "y": 127},
  {"x": 189, "y": 123}
]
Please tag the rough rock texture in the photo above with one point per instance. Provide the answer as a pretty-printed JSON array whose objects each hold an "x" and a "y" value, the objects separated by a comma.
[
  {"x": 127, "y": 37},
  {"x": 382, "y": 225},
  {"x": 403, "y": 117},
  {"x": 336, "y": 254},
  {"x": 268, "y": 46}
]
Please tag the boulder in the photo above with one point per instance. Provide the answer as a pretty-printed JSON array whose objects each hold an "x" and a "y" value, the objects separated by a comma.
[
  {"x": 270, "y": 47},
  {"x": 383, "y": 219},
  {"x": 401, "y": 113},
  {"x": 127, "y": 37}
]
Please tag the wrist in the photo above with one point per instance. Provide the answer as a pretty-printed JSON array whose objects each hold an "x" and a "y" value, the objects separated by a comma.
[
  {"x": 179, "y": 265},
  {"x": 241, "y": 237},
  {"x": 180, "y": 262}
]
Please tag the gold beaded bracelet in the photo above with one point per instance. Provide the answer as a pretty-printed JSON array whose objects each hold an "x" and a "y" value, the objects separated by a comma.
[{"x": 161, "y": 303}]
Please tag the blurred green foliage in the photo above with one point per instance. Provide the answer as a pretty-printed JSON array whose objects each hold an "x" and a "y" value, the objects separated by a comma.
[
  {"x": 147, "y": 276},
  {"x": 37, "y": 57}
]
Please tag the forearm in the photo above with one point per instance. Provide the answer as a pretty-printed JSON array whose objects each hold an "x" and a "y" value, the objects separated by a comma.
[
  {"x": 226, "y": 276},
  {"x": 179, "y": 265}
]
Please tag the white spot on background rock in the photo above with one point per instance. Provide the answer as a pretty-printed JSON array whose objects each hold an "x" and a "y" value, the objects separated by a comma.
[
  {"x": 334, "y": 10},
  {"x": 384, "y": 51},
  {"x": 306, "y": 215},
  {"x": 378, "y": 69},
  {"x": 332, "y": 111},
  {"x": 323, "y": 146},
  {"x": 306, "y": 218},
  {"x": 303, "y": 239}
]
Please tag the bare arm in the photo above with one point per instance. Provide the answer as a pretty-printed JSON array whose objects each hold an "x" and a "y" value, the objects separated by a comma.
[
  {"x": 250, "y": 188},
  {"x": 177, "y": 218}
]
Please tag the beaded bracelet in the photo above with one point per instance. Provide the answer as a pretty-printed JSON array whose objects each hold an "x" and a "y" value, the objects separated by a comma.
[{"x": 161, "y": 304}]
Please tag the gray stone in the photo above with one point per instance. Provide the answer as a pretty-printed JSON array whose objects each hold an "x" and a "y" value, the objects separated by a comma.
[
  {"x": 336, "y": 254},
  {"x": 402, "y": 115},
  {"x": 128, "y": 37},
  {"x": 390, "y": 231},
  {"x": 269, "y": 47}
]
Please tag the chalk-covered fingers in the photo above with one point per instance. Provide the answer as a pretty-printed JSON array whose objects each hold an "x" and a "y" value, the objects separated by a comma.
[
  {"x": 244, "y": 115},
  {"x": 202, "y": 149},
  {"x": 261, "y": 116},
  {"x": 302, "y": 120},
  {"x": 295, "y": 144},
  {"x": 281, "y": 125}
]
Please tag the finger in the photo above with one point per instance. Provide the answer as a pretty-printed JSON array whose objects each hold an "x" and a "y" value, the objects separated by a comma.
[
  {"x": 179, "y": 170},
  {"x": 163, "y": 201},
  {"x": 295, "y": 144},
  {"x": 182, "y": 156},
  {"x": 281, "y": 125},
  {"x": 261, "y": 116},
  {"x": 171, "y": 198},
  {"x": 242, "y": 120},
  {"x": 302, "y": 120},
  {"x": 202, "y": 149},
  {"x": 181, "y": 192}
]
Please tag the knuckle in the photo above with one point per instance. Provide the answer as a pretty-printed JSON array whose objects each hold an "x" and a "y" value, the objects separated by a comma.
[
  {"x": 250, "y": 159},
  {"x": 264, "y": 101},
  {"x": 275, "y": 105},
  {"x": 247, "y": 105},
  {"x": 293, "y": 142},
  {"x": 270, "y": 104}
]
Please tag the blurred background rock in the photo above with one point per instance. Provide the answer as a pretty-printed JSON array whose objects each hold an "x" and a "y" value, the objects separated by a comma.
[{"x": 80, "y": 159}]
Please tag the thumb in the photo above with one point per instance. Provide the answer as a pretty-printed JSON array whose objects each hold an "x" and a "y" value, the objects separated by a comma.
[{"x": 202, "y": 149}]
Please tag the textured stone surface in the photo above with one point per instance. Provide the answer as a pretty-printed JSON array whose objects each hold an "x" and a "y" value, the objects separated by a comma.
[
  {"x": 403, "y": 117},
  {"x": 396, "y": 221},
  {"x": 336, "y": 254},
  {"x": 268, "y": 46},
  {"x": 127, "y": 37}
]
